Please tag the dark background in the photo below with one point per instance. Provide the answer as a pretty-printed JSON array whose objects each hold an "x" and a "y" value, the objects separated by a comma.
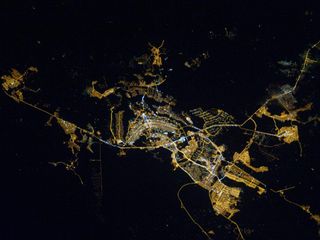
[{"x": 75, "y": 42}]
